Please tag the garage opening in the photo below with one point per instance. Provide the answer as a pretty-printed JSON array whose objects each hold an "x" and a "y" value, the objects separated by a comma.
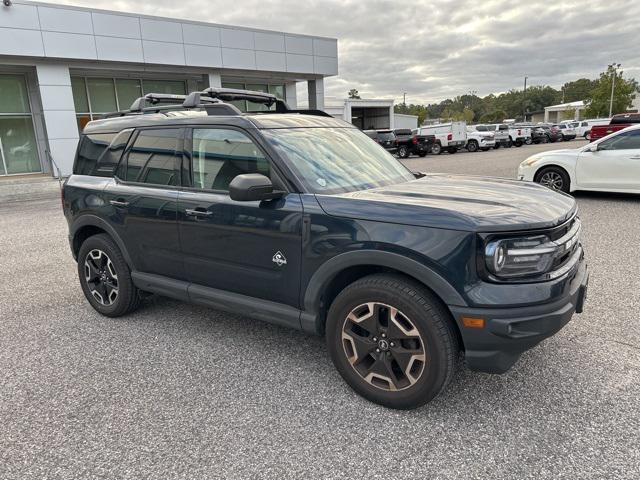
[{"x": 370, "y": 118}]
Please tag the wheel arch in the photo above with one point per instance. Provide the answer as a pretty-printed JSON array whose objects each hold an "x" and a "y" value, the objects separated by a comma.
[
  {"x": 90, "y": 225},
  {"x": 561, "y": 166},
  {"x": 342, "y": 270}
]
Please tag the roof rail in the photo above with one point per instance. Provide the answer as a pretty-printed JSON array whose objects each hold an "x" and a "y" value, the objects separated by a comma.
[{"x": 212, "y": 100}]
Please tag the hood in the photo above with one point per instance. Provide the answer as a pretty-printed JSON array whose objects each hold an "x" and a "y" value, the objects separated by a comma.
[{"x": 456, "y": 202}]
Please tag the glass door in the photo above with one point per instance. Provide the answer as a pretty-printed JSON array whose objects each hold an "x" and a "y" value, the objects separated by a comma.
[{"x": 18, "y": 149}]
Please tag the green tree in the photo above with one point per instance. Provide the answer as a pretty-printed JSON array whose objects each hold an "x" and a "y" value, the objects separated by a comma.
[
  {"x": 353, "y": 93},
  {"x": 624, "y": 93},
  {"x": 578, "y": 89},
  {"x": 569, "y": 114}
]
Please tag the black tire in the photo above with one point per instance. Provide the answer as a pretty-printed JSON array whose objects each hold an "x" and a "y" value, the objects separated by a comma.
[
  {"x": 555, "y": 178},
  {"x": 528, "y": 141},
  {"x": 496, "y": 146},
  {"x": 509, "y": 144},
  {"x": 587, "y": 136},
  {"x": 403, "y": 151},
  {"x": 518, "y": 143},
  {"x": 452, "y": 150},
  {"x": 127, "y": 297},
  {"x": 472, "y": 146},
  {"x": 422, "y": 154},
  {"x": 421, "y": 313},
  {"x": 436, "y": 149}
]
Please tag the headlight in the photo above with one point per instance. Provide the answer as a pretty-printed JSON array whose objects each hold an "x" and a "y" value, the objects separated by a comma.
[
  {"x": 530, "y": 161},
  {"x": 529, "y": 256}
]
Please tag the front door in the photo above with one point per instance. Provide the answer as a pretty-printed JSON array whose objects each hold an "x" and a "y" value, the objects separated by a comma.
[
  {"x": 142, "y": 200},
  {"x": 615, "y": 165},
  {"x": 251, "y": 248}
]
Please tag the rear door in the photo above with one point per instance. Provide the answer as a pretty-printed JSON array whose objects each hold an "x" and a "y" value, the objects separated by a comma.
[
  {"x": 614, "y": 166},
  {"x": 251, "y": 248},
  {"x": 143, "y": 197}
]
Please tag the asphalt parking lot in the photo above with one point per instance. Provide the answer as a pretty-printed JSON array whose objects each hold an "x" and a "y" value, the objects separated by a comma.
[{"x": 179, "y": 391}]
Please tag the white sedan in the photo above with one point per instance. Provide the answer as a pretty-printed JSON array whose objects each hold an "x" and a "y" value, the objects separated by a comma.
[{"x": 611, "y": 164}]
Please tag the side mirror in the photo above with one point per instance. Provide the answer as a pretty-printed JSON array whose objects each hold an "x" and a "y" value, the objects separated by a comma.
[
  {"x": 591, "y": 148},
  {"x": 251, "y": 187}
]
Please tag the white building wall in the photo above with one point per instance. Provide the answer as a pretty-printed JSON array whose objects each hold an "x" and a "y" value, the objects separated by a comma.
[{"x": 59, "y": 115}]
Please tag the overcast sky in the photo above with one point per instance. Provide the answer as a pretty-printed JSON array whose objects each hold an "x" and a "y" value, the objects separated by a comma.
[{"x": 436, "y": 49}]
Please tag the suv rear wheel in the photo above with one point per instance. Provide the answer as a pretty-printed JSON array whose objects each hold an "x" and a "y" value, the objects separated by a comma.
[
  {"x": 403, "y": 151},
  {"x": 105, "y": 277},
  {"x": 391, "y": 341},
  {"x": 436, "y": 149}
]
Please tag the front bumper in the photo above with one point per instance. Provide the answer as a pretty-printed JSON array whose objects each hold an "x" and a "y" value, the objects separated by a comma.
[{"x": 508, "y": 332}]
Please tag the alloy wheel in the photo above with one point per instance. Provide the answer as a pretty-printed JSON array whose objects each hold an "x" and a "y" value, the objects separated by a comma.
[
  {"x": 553, "y": 180},
  {"x": 101, "y": 277},
  {"x": 383, "y": 346}
]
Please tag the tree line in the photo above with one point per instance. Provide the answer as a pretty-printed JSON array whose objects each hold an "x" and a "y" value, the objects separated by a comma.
[{"x": 515, "y": 103}]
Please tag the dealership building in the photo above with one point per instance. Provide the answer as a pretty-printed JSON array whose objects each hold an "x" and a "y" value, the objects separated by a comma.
[{"x": 61, "y": 67}]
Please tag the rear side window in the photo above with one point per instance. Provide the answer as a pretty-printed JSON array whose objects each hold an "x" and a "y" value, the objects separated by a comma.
[
  {"x": 154, "y": 157},
  {"x": 91, "y": 148}
]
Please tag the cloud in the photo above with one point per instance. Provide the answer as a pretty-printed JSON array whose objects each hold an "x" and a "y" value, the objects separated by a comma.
[{"x": 434, "y": 49}]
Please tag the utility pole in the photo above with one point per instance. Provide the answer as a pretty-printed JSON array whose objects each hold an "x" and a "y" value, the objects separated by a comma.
[
  {"x": 524, "y": 101},
  {"x": 404, "y": 98},
  {"x": 615, "y": 67}
]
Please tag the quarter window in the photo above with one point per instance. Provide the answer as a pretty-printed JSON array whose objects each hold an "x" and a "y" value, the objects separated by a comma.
[
  {"x": 624, "y": 141},
  {"x": 154, "y": 157},
  {"x": 219, "y": 155}
]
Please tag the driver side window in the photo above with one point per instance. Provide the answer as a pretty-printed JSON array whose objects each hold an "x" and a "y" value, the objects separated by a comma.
[
  {"x": 624, "y": 141},
  {"x": 219, "y": 155}
]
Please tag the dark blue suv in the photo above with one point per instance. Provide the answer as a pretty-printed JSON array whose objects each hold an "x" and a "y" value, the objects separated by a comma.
[{"x": 299, "y": 219}]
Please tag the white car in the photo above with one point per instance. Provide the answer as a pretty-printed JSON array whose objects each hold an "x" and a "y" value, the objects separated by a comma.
[
  {"x": 477, "y": 140},
  {"x": 611, "y": 164}
]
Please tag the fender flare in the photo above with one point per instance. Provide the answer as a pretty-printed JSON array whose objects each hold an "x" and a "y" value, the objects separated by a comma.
[
  {"x": 332, "y": 267},
  {"x": 95, "y": 221}
]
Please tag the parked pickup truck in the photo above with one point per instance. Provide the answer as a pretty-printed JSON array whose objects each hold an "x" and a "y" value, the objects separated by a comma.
[
  {"x": 479, "y": 140},
  {"x": 618, "y": 122},
  {"x": 519, "y": 135},
  {"x": 448, "y": 136},
  {"x": 500, "y": 133},
  {"x": 409, "y": 143}
]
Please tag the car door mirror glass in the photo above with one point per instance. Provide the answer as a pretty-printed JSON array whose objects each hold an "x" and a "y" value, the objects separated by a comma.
[{"x": 251, "y": 187}]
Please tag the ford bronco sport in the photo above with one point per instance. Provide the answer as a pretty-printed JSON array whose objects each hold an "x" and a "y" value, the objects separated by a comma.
[{"x": 300, "y": 219}]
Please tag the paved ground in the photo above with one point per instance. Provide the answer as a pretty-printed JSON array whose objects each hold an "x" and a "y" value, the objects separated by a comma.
[{"x": 177, "y": 391}]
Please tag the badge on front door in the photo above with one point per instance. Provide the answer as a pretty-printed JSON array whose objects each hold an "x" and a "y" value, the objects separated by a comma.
[{"x": 279, "y": 259}]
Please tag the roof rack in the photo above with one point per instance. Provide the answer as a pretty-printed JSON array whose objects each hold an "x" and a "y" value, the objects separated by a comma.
[{"x": 212, "y": 100}]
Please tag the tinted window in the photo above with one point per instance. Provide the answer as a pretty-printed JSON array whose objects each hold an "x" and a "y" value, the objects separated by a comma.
[
  {"x": 585, "y": 124},
  {"x": 154, "y": 157},
  {"x": 220, "y": 155},
  {"x": 630, "y": 118},
  {"x": 481, "y": 128},
  {"x": 624, "y": 141},
  {"x": 384, "y": 136},
  {"x": 89, "y": 150}
]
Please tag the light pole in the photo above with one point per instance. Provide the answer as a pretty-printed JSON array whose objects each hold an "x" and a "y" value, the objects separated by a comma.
[
  {"x": 524, "y": 101},
  {"x": 615, "y": 67},
  {"x": 404, "y": 98}
]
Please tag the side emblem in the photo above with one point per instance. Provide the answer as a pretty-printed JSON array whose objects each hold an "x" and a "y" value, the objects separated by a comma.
[{"x": 279, "y": 259}]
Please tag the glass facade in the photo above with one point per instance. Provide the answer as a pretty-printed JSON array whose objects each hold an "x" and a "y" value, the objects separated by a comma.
[
  {"x": 95, "y": 96},
  {"x": 244, "y": 106},
  {"x": 18, "y": 149}
]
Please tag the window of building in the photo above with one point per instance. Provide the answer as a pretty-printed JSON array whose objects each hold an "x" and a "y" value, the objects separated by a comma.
[
  {"x": 244, "y": 106},
  {"x": 95, "y": 96},
  {"x": 18, "y": 148},
  {"x": 219, "y": 155}
]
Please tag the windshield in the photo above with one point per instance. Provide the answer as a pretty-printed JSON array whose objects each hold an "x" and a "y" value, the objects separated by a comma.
[{"x": 336, "y": 160}]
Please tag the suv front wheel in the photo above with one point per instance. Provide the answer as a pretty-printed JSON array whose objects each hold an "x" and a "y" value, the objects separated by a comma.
[
  {"x": 391, "y": 341},
  {"x": 105, "y": 277}
]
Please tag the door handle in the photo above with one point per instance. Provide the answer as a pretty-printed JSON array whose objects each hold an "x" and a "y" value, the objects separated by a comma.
[
  {"x": 119, "y": 203},
  {"x": 198, "y": 212}
]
